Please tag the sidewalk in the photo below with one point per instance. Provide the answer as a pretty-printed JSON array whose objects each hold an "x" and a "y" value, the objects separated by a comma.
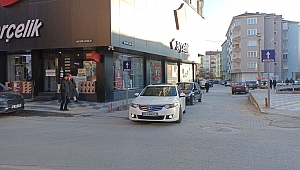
[
  {"x": 78, "y": 108},
  {"x": 282, "y": 104}
]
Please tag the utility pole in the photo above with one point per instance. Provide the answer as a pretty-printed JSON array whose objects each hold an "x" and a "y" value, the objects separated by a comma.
[{"x": 258, "y": 59}]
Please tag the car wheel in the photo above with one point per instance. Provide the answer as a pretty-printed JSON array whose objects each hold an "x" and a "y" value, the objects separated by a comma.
[
  {"x": 192, "y": 100},
  {"x": 180, "y": 116}
]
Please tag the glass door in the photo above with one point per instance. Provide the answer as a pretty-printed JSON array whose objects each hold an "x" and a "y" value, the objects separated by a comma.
[{"x": 50, "y": 66}]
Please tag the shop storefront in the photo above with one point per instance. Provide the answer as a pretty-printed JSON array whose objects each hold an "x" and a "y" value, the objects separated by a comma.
[{"x": 39, "y": 46}]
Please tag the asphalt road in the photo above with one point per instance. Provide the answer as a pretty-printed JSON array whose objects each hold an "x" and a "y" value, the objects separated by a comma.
[{"x": 223, "y": 132}]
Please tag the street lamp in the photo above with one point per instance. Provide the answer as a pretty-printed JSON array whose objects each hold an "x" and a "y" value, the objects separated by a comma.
[{"x": 258, "y": 58}]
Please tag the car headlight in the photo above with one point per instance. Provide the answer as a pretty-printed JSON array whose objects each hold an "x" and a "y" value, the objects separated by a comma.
[
  {"x": 2, "y": 99},
  {"x": 167, "y": 106},
  {"x": 132, "y": 104}
]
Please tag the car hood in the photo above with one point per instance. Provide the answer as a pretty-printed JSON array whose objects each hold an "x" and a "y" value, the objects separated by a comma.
[
  {"x": 10, "y": 94},
  {"x": 153, "y": 100}
]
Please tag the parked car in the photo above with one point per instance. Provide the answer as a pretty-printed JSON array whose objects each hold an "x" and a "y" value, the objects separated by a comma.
[
  {"x": 263, "y": 84},
  {"x": 211, "y": 83},
  {"x": 10, "y": 101},
  {"x": 163, "y": 102},
  {"x": 192, "y": 92},
  {"x": 252, "y": 84},
  {"x": 239, "y": 87}
]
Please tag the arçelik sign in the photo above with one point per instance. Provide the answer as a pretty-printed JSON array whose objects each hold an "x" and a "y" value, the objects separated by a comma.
[
  {"x": 22, "y": 30},
  {"x": 30, "y": 29}
]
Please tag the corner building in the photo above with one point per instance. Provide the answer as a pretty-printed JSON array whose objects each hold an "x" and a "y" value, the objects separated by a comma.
[{"x": 106, "y": 45}]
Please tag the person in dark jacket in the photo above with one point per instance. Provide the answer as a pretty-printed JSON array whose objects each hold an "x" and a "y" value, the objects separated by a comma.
[
  {"x": 64, "y": 92},
  {"x": 271, "y": 83},
  {"x": 72, "y": 86},
  {"x": 274, "y": 83},
  {"x": 206, "y": 86}
]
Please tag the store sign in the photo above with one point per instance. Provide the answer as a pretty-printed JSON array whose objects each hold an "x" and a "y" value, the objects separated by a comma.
[
  {"x": 5, "y": 3},
  {"x": 50, "y": 73},
  {"x": 179, "y": 46},
  {"x": 30, "y": 29}
]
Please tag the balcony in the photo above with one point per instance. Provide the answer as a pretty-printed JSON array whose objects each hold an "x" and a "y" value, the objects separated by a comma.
[
  {"x": 237, "y": 38},
  {"x": 236, "y": 28},
  {"x": 237, "y": 60},
  {"x": 236, "y": 71},
  {"x": 236, "y": 48}
]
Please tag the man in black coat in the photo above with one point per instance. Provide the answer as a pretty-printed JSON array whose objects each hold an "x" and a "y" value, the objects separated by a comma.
[
  {"x": 64, "y": 92},
  {"x": 206, "y": 86}
]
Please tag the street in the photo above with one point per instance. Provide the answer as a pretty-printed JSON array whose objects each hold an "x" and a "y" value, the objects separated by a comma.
[{"x": 223, "y": 132}]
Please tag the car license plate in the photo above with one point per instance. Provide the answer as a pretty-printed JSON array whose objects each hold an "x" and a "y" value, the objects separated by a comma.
[
  {"x": 150, "y": 114},
  {"x": 238, "y": 88},
  {"x": 16, "y": 106}
]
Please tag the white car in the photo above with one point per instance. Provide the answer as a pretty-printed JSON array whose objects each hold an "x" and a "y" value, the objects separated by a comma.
[{"x": 164, "y": 102}]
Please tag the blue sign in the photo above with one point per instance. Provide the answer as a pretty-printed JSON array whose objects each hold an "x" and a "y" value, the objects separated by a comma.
[
  {"x": 126, "y": 65},
  {"x": 268, "y": 55}
]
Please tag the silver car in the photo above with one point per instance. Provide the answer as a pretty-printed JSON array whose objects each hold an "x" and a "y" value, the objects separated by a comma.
[{"x": 165, "y": 103}]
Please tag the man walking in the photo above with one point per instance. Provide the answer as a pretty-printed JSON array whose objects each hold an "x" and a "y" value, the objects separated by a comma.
[{"x": 64, "y": 92}]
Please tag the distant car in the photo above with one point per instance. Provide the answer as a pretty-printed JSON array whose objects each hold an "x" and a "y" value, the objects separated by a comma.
[
  {"x": 192, "y": 92},
  {"x": 239, "y": 87},
  {"x": 263, "y": 84},
  {"x": 227, "y": 83},
  {"x": 252, "y": 84},
  {"x": 211, "y": 83},
  {"x": 162, "y": 102},
  {"x": 10, "y": 101}
]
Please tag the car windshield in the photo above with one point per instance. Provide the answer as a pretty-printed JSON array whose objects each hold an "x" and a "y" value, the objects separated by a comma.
[
  {"x": 185, "y": 86},
  {"x": 159, "y": 91},
  {"x": 239, "y": 84},
  {"x": 3, "y": 88}
]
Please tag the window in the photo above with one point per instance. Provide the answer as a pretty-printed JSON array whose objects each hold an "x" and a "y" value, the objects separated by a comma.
[
  {"x": 275, "y": 22},
  {"x": 155, "y": 72},
  {"x": 251, "y": 31},
  {"x": 285, "y": 65},
  {"x": 251, "y": 53},
  {"x": 252, "y": 43},
  {"x": 275, "y": 32},
  {"x": 252, "y": 21},
  {"x": 135, "y": 78},
  {"x": 285, "y": 56},
  {"x": 251, "y": 65},
  {"x": 275, "y": 42}
]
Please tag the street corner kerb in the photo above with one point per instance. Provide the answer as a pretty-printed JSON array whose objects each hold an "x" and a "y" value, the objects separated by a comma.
[{"x": 5, "y": 3}]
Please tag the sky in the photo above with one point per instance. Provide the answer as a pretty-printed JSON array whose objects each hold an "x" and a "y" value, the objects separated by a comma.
[{"x": 219, "y": 13}]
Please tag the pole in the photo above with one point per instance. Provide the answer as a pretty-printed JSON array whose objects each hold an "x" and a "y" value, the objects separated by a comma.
[
  {"x": 258, "y": 60},
  {"x": 270, "y": 85},
  {"x": 126, "y": 84}
]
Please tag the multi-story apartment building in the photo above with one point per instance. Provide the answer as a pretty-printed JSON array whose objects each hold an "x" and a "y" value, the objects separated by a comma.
[
  {"x": 209, "y": 64},
  {"x": 225, "y": 64},
  {"x": 291, "y": 49},
  {"x": 244, "y": 49}
]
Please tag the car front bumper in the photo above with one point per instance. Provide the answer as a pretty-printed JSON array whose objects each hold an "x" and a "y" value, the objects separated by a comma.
[
  {"x": 163, "y": 115},
  {"x": 12, "y": 106}
]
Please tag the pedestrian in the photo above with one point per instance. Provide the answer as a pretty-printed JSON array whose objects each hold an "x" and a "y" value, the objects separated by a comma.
[
  {"x": 206, "y": 86},
  {"x": 274, "y": 83},
  {"x": 292, "y": 81},
  {"x": 64, "y": 93},
  {"x": 271, "y": 83},
  {"x": 73, "y": 90},
  {"x": 287, "y": 81}
]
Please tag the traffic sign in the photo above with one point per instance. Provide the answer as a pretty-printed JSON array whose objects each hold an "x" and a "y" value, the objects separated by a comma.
[
  {"x": 268, "y": 55},
  {"x": 126, "y": 65}
]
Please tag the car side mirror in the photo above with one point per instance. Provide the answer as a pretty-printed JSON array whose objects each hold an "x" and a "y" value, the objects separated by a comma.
[{"x": 136, "y": 94}]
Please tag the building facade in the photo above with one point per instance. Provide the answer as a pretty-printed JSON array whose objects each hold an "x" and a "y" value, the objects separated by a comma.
[
  {"x": 107, "y": 45},
  {"x": 244, "y": 46}
]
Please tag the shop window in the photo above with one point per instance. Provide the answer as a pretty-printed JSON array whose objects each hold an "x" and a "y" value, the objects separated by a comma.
[
  {"x": 19, "y": 68},
  {"x": 134, "y": 78},
  {"x": 172, "y": 73},
  {"x": 155, "y": 72},
  {"x": 186, "y": 73}
]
